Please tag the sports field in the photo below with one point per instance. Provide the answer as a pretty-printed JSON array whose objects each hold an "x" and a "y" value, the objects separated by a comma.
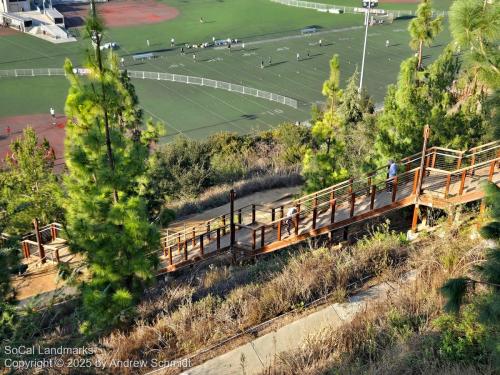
[{"x": 271, "y": 33}]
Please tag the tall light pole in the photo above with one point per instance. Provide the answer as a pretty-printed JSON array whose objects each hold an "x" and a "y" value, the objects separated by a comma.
[{"x": 367, "y": 20}]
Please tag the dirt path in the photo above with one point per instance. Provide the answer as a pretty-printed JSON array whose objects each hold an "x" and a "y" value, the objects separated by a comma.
[{"x": 268, "y": 197}]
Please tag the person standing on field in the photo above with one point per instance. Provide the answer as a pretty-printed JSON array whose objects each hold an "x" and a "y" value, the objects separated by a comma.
[{"x": 53, "y": 115}]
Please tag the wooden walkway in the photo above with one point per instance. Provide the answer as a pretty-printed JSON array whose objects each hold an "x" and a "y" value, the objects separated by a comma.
[
  {"x": 437, "y": 177},
  {"x": 450, "y": 178}
]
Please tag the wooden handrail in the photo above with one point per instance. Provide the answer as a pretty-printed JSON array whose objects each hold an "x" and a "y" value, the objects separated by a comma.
[{"x": 485, "y": 145}]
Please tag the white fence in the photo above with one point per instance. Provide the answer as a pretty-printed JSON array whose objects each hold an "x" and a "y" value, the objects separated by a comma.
[
  {"x": 331, "y": 8},
  {"x": 199, "y": 81},
  {"x": 190, "y": 80}
]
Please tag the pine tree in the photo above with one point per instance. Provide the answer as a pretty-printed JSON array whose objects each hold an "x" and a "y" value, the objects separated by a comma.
[
  {"x": 107, "y": 156},
  {"x": 423, "y": 29},
  {"x": 356, "y": 111},
  {"x": 475, "y": 27},
  {"x": 27, "y": 180},
  {"x": 9, "y": 265},
  {"x": 425, "y": 97},
  {"x": 321, "y": 165}
]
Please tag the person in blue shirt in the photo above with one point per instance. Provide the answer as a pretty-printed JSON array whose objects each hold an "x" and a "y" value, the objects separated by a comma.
[{"x": 393, "y": 171}]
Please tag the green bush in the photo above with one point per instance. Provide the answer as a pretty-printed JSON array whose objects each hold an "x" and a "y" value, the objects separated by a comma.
[{"x": 462, "y": 338}]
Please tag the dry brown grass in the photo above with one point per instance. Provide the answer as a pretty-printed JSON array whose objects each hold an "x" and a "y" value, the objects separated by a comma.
[
  {"x": 218, "y": 313},
  {"x": 393, "y": 337},
  {"x": 218, "y": 195}
]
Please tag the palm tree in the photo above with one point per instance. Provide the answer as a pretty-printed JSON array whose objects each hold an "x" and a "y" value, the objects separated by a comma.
[{"x": 424, "y": 28}]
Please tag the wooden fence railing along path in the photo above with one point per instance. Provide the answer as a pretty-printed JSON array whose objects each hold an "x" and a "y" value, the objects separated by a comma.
[
  {"x": 450, "y": 177},
  {"x": 436, "y": 177}
]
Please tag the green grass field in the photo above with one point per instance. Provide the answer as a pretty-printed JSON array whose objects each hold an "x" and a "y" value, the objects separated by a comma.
[{"x": 270, "y": 31}]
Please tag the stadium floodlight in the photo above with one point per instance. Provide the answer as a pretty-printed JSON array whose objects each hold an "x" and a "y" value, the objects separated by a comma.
[{"x": 367, "y": 21}]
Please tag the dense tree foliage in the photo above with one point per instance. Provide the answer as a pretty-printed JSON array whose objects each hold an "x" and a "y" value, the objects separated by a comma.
[
  {"x": 486, "y": 303},
  {"x": 322, "y": 161},
  {"x": 27, "y": 180},
  {"x": 9, "y": 260},
  {"x": 184, "y": 168},
  {"x": 358, "y": 124},
  {"x": 423, "y": 29},
  {"x": 427, "y": 97},
  {"x": 475, "y": 27},
  {"x": 107, "y": 157}
]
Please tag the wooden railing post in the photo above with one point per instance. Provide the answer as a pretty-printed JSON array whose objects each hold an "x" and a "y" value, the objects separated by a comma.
[
  {"x": 253, "y": 213},
  {"x": 179, "y": 242},
  {"x": 394, "y": 188},
  {"x": 208, "y": 230},
  {"x": 185, "y": 250},
  {"x": 279, "y": 230},
  {"x": 41, "y": 250},
  {"x": 232, "y": 227},
  {"x": 415, "y": 182},
  {"x": 407, "y": 164},
  {"x": 459, "y": 161},
  {"x": 427, "y": 161},
  {"x": 315, "y": 213},
  {"x": 372, "y": 196},
  {"x": 170, "y": 260},
  {"x": 414, "y": 221},
  {"x": 165, "y": 249},
  {"x": 223, "y": 225},
  {"x": 273, "y": 214},
  {"x": 447, "y": 187},
  {"x": 297, "y": 222},
  {"x": 194, "y": 237},
  {"x": 492, "y": 171},
  {"x": 350, "y": 185},
  {"x": 218, "y": 238},
  {"x": 53, "y": 232},
  {"x": 282, "y": 212},
  {"x": 333, "y": 204},
  {"x": 462, "y": 182},
  {"x": 353, "y": 202},
  {"x": 434, "y": 158},
  {"x": 427, "y": 132},
  {"x": 254, "y": 238},
  {"x": 369, "y": 184},
  {"x": 57, "y": 256},
  {"x": 26, "y": 250},
  {"x": 202, "y": 245},
  {"x": 472, "y": 163},
  {"x": 262, "y": 234},
  {"x": 240, "y": 217}
]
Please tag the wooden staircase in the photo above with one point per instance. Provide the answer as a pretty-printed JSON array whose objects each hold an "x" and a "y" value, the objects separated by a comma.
[{"x": 449, "y": 178}]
